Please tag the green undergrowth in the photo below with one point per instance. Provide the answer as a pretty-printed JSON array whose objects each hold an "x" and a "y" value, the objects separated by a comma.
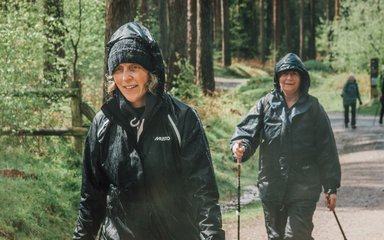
[{"x": 40, "y": 198}]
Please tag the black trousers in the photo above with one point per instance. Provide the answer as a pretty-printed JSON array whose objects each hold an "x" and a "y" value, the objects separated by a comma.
[
  {"x": 292, "y": 221},
  {"x": 353, "y": 114}
]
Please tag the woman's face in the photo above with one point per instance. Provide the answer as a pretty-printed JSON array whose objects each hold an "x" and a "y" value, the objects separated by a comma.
[
  {"x": 131, "y": 79},
  {"x": 290, "y": 82}
]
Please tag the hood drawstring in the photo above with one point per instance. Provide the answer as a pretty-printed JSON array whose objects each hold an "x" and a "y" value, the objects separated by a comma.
[
  {"x": 133, "y": 124},
  {"x": 139, "y": 125}
]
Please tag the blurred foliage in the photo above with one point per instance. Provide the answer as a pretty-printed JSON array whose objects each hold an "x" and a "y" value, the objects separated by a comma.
[
  {"x": 315, "y": 65},
  {"x": 356, "y": 38},
  {"x": 23, "y": 51},
  {"x": 184, "y": 87}
]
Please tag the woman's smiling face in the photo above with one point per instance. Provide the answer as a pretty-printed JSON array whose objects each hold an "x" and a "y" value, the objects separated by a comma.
[
  {"x": 131, "y": 79},
  {"x": 290, "y": 82}
]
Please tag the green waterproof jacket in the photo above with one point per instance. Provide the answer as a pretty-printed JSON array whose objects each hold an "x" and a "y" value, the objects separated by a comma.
[{"x": 297, "y": 150}]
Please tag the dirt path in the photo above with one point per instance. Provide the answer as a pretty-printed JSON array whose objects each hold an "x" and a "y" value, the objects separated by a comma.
[{"x": 360, "y": 205}]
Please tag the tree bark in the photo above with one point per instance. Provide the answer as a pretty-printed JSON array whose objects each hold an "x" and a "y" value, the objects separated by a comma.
[
  {"x": 301, "y": 49},
  {"x": 262, "y": 31},
  {"x": 287, "y": 25},
  {"x": 204, "y": 50},
  {"x": 177, "y": 45},
  {"x": 191, "y": 31},
  {"x": 217, "y": 22},
  {"x": 337, "y": 8},
  {"x": 312, "y": 31},
  {"x": 327, "y": 11},
  {"x": 276, "y": 27},
  {"x": 144, "y": 9},
  {"x": 164, "y": 23},
  {"x": 226, "y": 46}
]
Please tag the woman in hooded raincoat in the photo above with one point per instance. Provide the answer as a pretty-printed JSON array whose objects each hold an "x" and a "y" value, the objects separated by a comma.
[
  {"x": 298, "y": 156},
  {"x": 147, "y": 170}
]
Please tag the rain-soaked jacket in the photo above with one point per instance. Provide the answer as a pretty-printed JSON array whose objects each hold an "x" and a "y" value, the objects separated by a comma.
[
  {"x": 297, "y": 155},
  {"x": 156, "y": 182}
]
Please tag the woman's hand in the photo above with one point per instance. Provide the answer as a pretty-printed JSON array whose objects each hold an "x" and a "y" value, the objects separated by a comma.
[
  {"x": 238, "y": 150},
  {"x": 330, "y": 201}
]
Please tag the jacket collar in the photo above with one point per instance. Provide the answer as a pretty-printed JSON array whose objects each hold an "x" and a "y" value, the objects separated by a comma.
[{"x": 117, "y": 109}]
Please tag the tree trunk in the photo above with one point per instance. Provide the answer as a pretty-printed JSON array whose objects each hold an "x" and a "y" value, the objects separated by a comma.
[
  {"x": 226, "y": 46},
  {"x": 164, "y": 23},
  {"x": 327, "y": 11},
  {"x": 217, "y": 22},
  {"x": 312, "y": 31},
  {"x": 301, "y": 50},
  {"x": 276, "y": 28},
  {"x": 54, "y": 70},
  {"x": 118, "y": 12},
  {"x": 144, "y": 10},
  {"x": 204, "y": 51},
  {"x": 337, "y": 8},
  {"x": 262, "y": 31},
  {"x": 287, "y": 25},
  {"x": 177, "y": 45},
  {"x": 191, "y": 31}
]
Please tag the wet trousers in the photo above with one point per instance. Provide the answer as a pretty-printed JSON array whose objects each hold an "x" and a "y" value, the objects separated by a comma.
[
  {"x": 292, "y": 221},
  {"x": 353, "y": 114}
]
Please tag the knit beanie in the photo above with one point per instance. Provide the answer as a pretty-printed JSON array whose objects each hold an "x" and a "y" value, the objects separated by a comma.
[
  {"x": 128, "y": 50},
  {"x": 133, "y": 43}
]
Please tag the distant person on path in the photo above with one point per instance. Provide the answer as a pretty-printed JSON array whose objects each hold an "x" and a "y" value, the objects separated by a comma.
[
  {"x": 298, "y": 156},
  {"x": 147, "y": 169},
  {"x": 350, "y": 94}
]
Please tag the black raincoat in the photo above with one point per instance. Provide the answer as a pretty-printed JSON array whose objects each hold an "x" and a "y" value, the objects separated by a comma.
[
  {"x": 155, "y": 181},
  {"x": 298, "y": 155}
]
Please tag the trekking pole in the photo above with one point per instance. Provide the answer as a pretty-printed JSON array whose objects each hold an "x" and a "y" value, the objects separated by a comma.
[
  {"x": 338, "y": 222},
  {"x": 238, "y": 196}
]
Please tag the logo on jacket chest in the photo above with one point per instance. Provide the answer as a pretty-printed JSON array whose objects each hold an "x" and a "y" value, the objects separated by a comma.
[{"x": 162, "y": 138}]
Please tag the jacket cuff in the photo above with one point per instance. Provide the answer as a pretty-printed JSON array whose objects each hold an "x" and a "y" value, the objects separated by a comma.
[{"x": 330, "y": 191}]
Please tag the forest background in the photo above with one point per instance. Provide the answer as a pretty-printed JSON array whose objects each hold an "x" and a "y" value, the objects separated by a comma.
[{"x": 53, "y": 59}]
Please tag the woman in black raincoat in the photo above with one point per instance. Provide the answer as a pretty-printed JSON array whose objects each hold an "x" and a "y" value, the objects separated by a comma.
[
  {"x": 147, "y": 170},
  {"x": 298, "y": 156}
]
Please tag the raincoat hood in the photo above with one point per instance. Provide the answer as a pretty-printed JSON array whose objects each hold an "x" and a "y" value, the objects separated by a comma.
[
  {"x": 133, "y": 43},
  {"x": 292, "y": 62}
]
